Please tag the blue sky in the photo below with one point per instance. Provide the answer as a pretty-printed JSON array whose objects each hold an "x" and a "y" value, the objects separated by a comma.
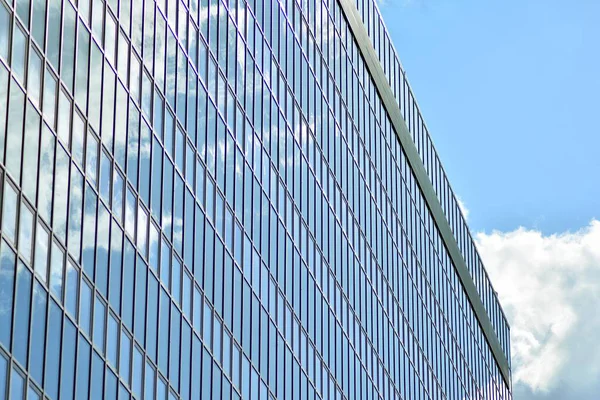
[{"x": 510, "y": 91}]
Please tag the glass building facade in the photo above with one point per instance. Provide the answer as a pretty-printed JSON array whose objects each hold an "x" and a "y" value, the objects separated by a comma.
[{"x": 208, "y": 199}]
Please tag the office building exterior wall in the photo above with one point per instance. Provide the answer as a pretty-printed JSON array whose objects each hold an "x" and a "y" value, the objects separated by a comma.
[{"x": 208, "y": 199}]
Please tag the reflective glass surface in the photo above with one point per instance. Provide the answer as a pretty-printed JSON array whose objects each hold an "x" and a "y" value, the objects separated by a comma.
[{"x": 207, "y": 199}]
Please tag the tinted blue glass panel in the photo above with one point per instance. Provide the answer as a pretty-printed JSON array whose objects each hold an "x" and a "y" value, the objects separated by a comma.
[
  {"x": 206, "y": 375},
  {"x": 7, "y": 277},
  {"x": 110, "y": 386},
  {"x": 17, "y": 385},
  {"x": 116, "y": 255},
  {"x": 125, "y": 357},
  {"x": 72, "y": 289},
  {"x": 175, "y": 343},
  {"x": 152, "y": 317},
  {"x": 128, "y": 285},
  {"x": 97, "y": 379},
  {"x": 38, "y": 330},
  {"x": 53, "y": 350},
  {"x": 99, "y": 324},
  {"x": 185, "y": 369},
  {"x": 67, "y": 379},
  {"x": 137, "y": 383},
  {"x": 150, "y": 377},
  {"x": 83, "y": 368},
  {"x": 85, "y": 308},
  {"x": 140, "y": 300},
  {"x": 22, "y": 314},
  {"x": 163, "y": 332},
  {"x": 3, "y": 370}
]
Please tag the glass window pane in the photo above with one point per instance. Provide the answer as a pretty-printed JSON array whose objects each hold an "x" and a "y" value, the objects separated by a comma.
[
  {"x": 53, "y": 350},
  {"x": 91, "y": 167},
  {"x": 112, "y": 341},
  {"x": 152, "y": 317},
  {"x": 21, "y": 318},
  {"x": 30, "y": 152},
  {"x": 85, "y": 308},
  {"x": 163, "y": 332},
  {"x": 9, "y": 213},
  {"x": 140, "y": 301},
  {"x": 32, "y": 394},
  {"x": 56, "y": 270},
  {"x": 63, "y": 126},
  {"x": 17, "y": 385},
  {"x": 52, "y": 49},
  {"x": 97, "y": 379},
  {"x": 83, "y": 369},
  {"x": 50, "y": 86},
  {"x": 46, "y": 175},
  {"x": 72, "y": 289},
  {"x": 77, "y": 139},
  {"x": 67, "y": 366},
  {"x": 38, "y": 331},
  {"x": 4, "y": 32},
  {"x": 138, "y": 373},
  {"x": 75, "y": 213},
  {"x": 102, "y": 247},
  {"x": 116, "y": 254},
  {"x": 89, "y": 232},
  {"x": 174, "y": 351},
  {"x": 81, "y": 76},
  {"x": 99, "y": 324},
  {"x": 105, "y": 177},
  {"x": 60, "y": 195},
  {"x": 3, "y": 369},
  {"x": 68, "y": 45},
  {"x": 149, "y": 385},
  {"x": 34, "y": 77},
  {"x": 14, "y": 140},
  {"x": 125, "y": 357},
  {"x": 7, "y": 276},
  {"x": 41, "y": 252},
  {"x": 38, "y": 17},
  {"x": 19, "y": 53},
  {"x": 110, "y": 387},
  {"x": 128, "y": 285}
]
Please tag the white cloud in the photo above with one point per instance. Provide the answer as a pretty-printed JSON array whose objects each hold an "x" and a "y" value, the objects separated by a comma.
[
  {"x": 549, "y": 287},
  {"x": 463, "y": 208}
]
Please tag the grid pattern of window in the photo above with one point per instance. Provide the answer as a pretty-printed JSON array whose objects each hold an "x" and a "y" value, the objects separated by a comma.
[
  {"x": 206, "y": 199},
  {"x": 396, "y": 77}
]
